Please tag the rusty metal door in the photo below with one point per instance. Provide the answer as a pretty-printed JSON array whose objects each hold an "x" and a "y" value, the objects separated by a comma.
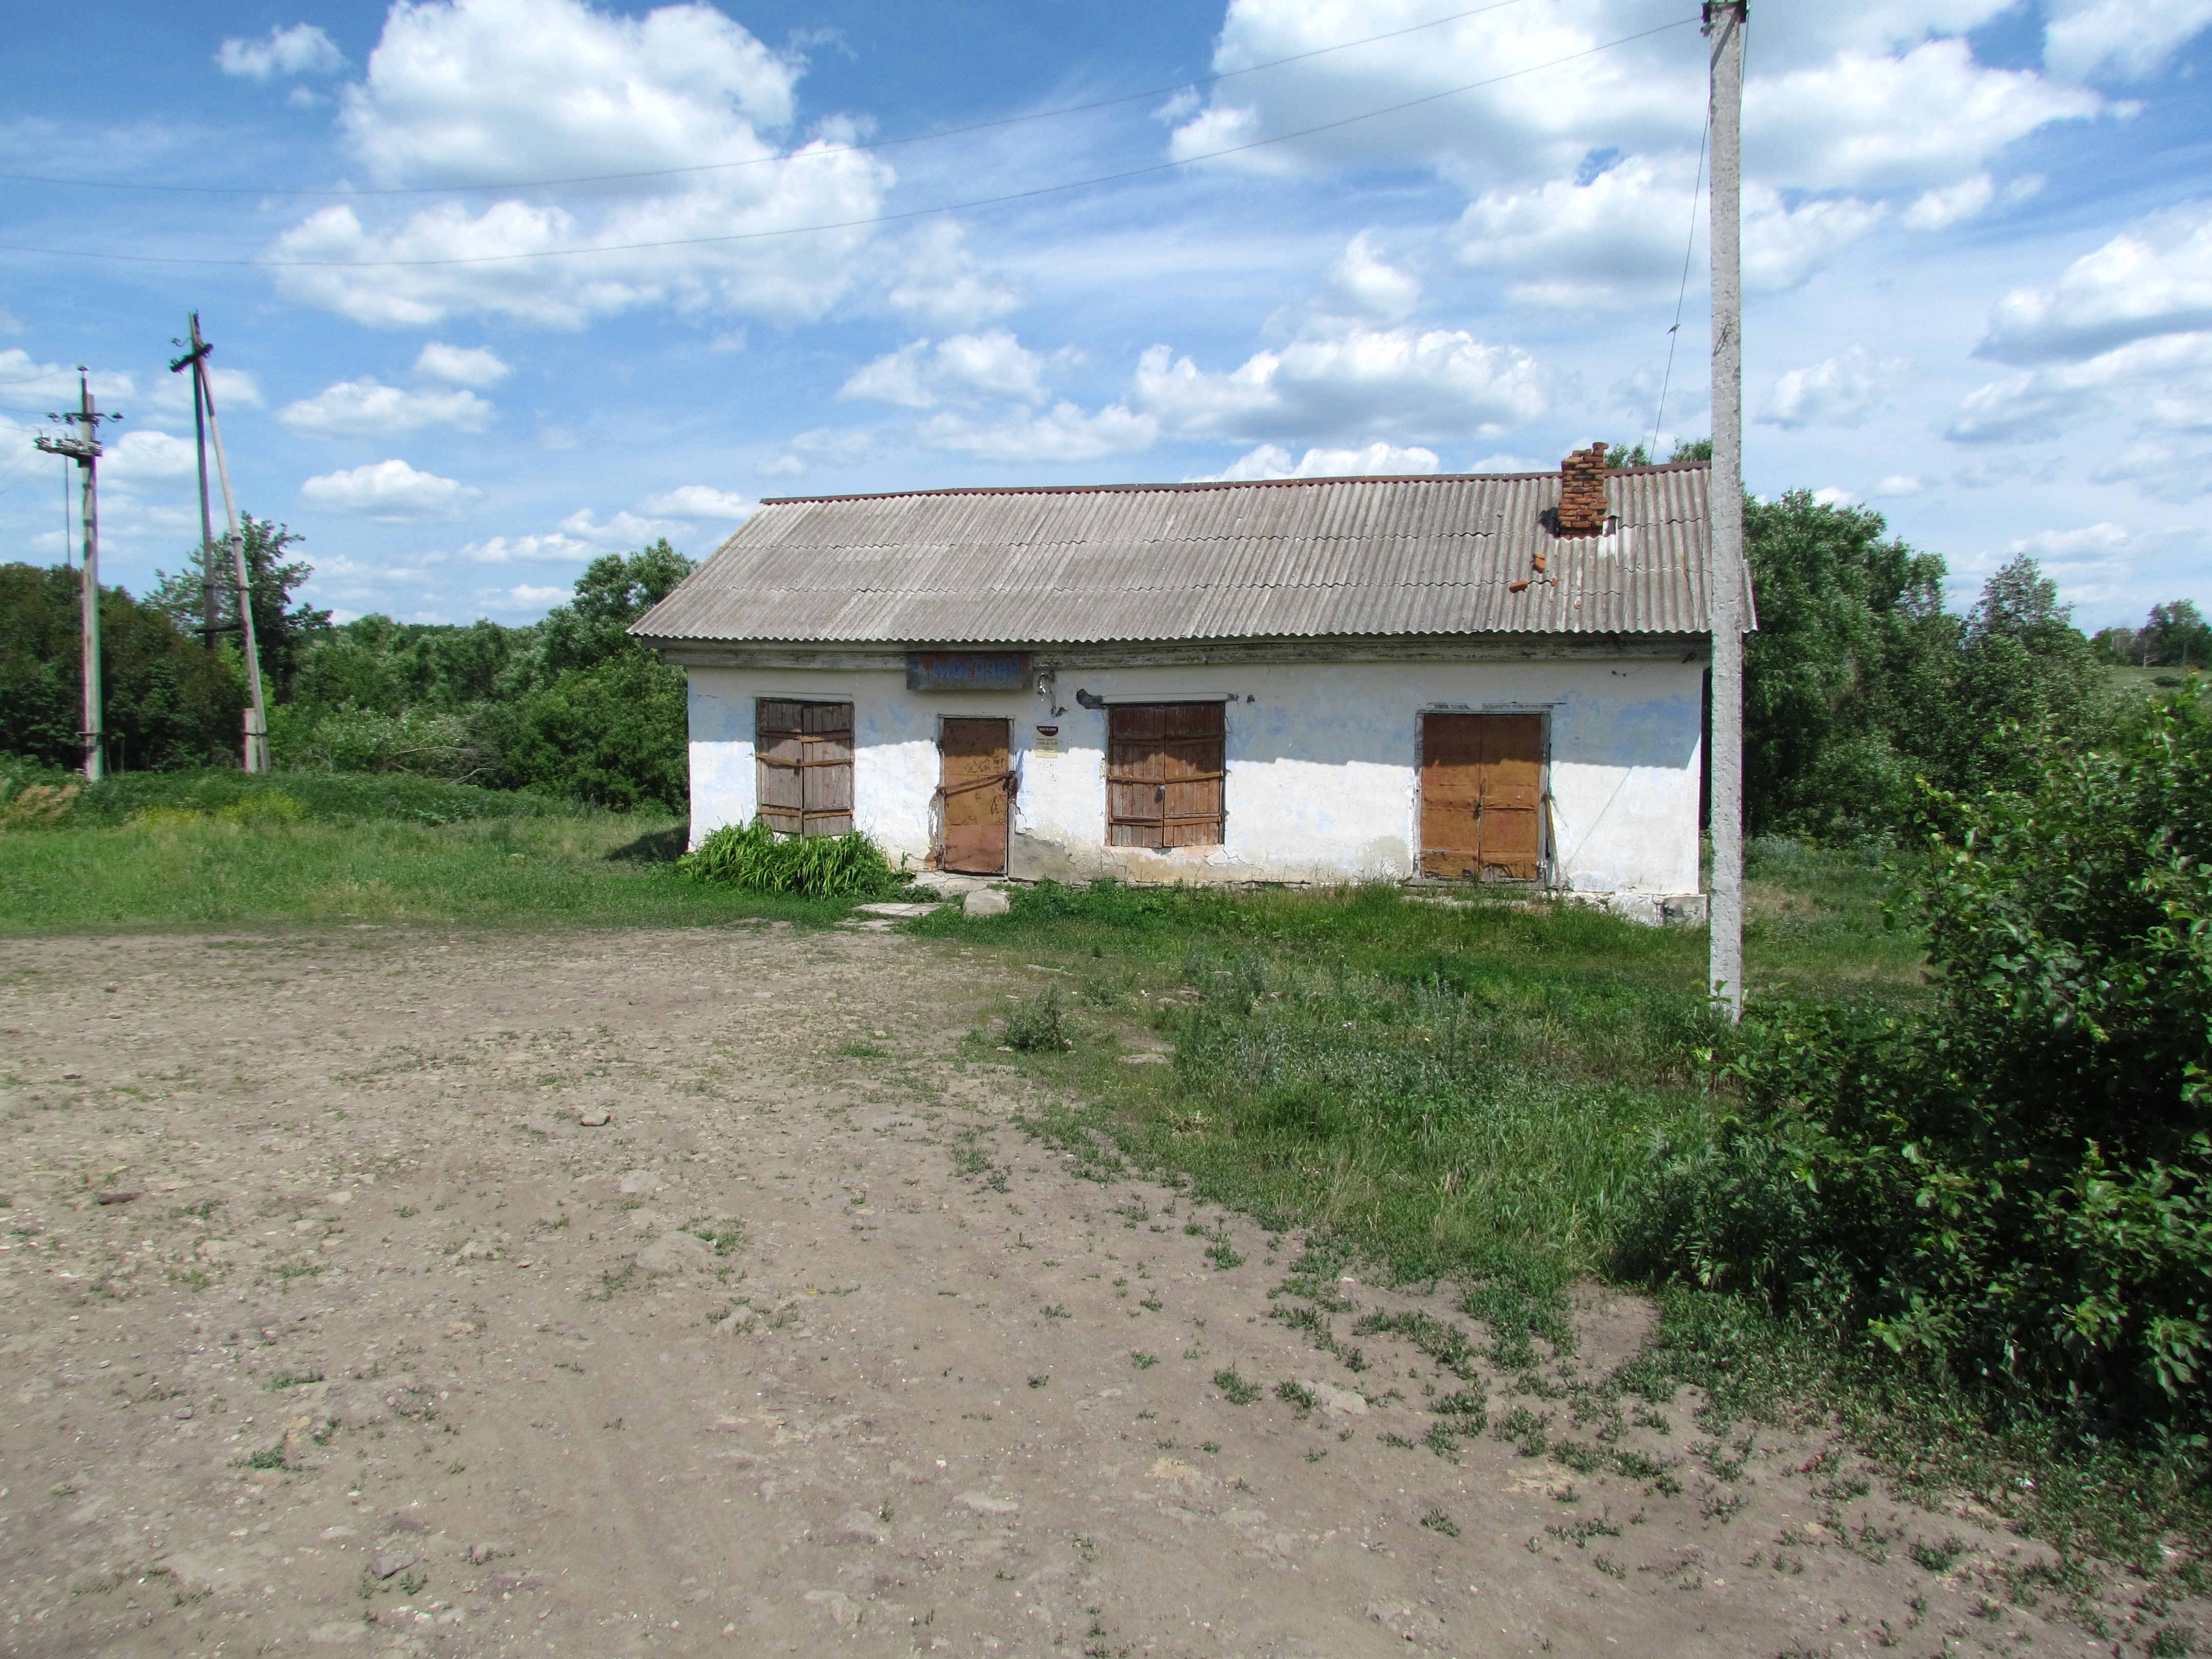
[
  {"x": 976, "y": 791},
  {"x": 1482, "y": 797},
  {"x": 1164, "y": 766}
]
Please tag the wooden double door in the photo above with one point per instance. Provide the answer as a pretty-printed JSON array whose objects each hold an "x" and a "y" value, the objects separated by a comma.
[
  {"x": 974, "y": 795},
  {"x": 1482, "y": 797}
]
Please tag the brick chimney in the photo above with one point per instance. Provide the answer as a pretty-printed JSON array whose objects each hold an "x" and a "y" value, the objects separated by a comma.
[{"x": 1581, "y": 493}]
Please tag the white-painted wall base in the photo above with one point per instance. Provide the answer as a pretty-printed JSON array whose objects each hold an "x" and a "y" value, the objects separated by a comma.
[{"x": 1323, "y": 780}]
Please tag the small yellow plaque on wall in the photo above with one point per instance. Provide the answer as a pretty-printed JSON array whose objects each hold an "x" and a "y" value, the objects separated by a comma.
[{"x": 1048, "y": 741}]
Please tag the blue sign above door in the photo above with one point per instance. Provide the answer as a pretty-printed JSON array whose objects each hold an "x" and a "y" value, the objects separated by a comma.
[{"x": 967, "y": 671}]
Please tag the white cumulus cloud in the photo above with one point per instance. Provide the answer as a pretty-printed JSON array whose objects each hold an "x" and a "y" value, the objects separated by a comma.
[
  {"x": 2164, "y": 381},
  {"x": 940, "y": 281},
  {"x": 469, "y": 366},
  {"x": 1062, "y": 434},
  {"x": 1841, "y": 391},
  {"x": 477, "y": 91},
  {"x": 1409, "y": 382},
  {"x": 965, "y": 369},
  {"x": 1378, "y": 459},
  {"x": 1362, "y": 285},
  {"x": 1621, "y": 238},
  {"x": 1579, "y": 177},
  {"x": 1930, "y": 116},
  {"x": 2126, "y": 38},
  {"x": 699, "y": 502},
  {"x": 144, "y": 456},
  {"x": 368, "y": 408},
  {"x": 303, "y": 49},
  {"x": 2160, "y": 471},
  {"x": 389, "y": 490},
  {"x": 2154, "y": 277}
]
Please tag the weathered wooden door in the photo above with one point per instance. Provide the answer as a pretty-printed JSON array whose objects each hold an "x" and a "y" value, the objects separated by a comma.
[
  {"x": 1164, "y": 766},
  {"x": 803, "y": 759},
  {"x": 1482, "y": 797},
  {"x": 976, "y": 791}
]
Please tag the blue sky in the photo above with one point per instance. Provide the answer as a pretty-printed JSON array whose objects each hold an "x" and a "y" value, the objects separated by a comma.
[{"x": 497, "y": 285}]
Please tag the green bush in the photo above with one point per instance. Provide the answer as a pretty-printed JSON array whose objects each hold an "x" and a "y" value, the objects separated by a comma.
[
  {"x": 2009, "y": 1187},
  {"x": 754, "y": 858},
  {"x": 303, "y": 738},
  {"x": 170, "y": 702},
  {"x": 614, "y": 734}
]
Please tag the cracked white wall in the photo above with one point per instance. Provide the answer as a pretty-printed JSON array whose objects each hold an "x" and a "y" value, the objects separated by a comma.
[{"x": 1323, "y": 780}]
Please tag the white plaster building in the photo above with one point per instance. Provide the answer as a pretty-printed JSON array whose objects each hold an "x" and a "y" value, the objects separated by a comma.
[{"x": 1452, "y": 677}]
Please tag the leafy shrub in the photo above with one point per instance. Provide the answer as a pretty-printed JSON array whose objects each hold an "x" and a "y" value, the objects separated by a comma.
[
  {"x": 35, "y": 794},
  {"x": 754, "y": 857},
  {"x": 2011, "y": 1186},
  {"x": 351, "y": 738},
  {"x": 613, "y": 734}
]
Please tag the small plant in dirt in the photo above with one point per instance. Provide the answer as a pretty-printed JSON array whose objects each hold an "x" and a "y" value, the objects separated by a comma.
[
  {"x": 1221, "y": 1253},
  {"x": 1234, "y": 1388},
  {"x": 1939, "y": 1558},
  {"x": 1038, "y": 1025},
  {"x": 1438, "y": 1521},
  {"x": 1467, "y": 1413},
  {"x": 1297, "y": 1395},
  {"x": 1144, "y": 1362},
  {"x": 1523, "y": 1430},
  {"x": 753, "y": 857},
  {"x": 1579, "y": 1533},
  {"x": 724, "y": 1235}
]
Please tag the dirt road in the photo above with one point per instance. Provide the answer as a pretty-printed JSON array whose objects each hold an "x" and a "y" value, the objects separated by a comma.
[{"x": 805, "y": 1349}]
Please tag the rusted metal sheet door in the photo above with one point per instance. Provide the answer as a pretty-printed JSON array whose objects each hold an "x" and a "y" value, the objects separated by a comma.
[
  {"x": 804, "y": 755},
  {"x": 1164, "y": 766},
  {"x": 975, "y": 790},
  {"x": 1482, "y": 797}
]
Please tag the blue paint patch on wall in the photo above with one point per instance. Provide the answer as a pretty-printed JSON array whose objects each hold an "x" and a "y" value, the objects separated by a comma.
[
  {"x": 967, "y": 671},
  {"x": 1657, "y": 731}
]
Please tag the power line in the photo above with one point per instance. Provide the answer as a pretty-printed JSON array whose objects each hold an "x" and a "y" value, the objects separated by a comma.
[
  {"x": 763, "y": 160},
  {"x": 1689, "y": 246},
  {"x": 874, "y": 219}
]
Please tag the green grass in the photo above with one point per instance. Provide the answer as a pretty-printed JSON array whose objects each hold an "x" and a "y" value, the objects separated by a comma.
[
  {"x": 219, "y": 849},
  {"x": 1456, "y": 1089},
  {"x": 1468, "y": 1093}
]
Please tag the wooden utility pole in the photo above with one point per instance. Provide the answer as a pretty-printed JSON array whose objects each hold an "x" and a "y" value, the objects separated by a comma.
[
  {"x": 209, "y": 609},
  {"x": 82, "y": 446},
  {"x": 257, "y": 711},
  {"x": 1724, "y": 26}
]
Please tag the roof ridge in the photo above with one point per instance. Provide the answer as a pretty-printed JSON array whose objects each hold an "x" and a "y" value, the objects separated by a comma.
[{"x": 1210, "y": 483}]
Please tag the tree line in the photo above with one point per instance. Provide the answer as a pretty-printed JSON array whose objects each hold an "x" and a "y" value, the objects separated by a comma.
[
  {"x": 569, "y": 706},
  {"x": 1860, "y": 685}
]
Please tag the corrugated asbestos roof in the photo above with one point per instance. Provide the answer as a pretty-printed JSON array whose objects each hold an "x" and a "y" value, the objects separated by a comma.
[{"x": 1291, "y": 559}]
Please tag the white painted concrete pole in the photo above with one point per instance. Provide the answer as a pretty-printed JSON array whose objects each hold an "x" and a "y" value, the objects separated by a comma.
[
  {"x": 95, "y": 734},
  {"x": 1724, "y": 28}
]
